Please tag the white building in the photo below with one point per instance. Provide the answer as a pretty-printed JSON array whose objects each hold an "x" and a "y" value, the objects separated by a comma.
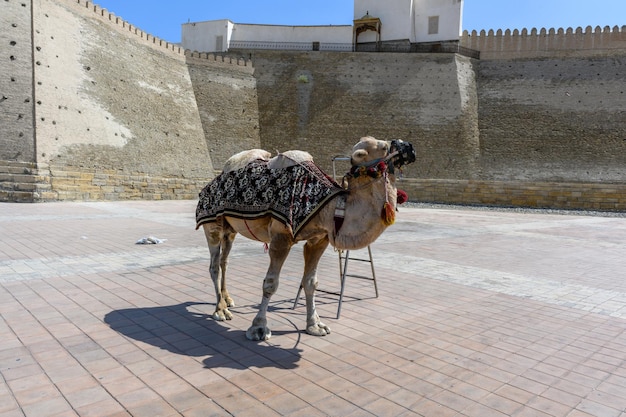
[
  {"x": 375, "y": 22},
  {"x": 222, "y": 35},
  {"x": 418, "y": 21}
]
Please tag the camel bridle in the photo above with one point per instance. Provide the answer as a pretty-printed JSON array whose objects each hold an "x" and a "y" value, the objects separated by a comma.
[
  {"x": 376, "y": 169},
  {"x": 400, "y": 153}
]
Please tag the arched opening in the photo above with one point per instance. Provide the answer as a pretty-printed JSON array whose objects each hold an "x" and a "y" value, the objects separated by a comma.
[{"x": 364, "y": 24}]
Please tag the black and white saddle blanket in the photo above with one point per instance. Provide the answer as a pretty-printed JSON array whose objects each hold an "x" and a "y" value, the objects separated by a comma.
[{"x": 291, "y": 195}]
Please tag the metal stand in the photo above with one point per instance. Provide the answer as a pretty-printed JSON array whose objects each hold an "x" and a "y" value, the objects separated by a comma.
[
  {"x": 343, "y": 272},
  {"x": 343, "y": 262}
]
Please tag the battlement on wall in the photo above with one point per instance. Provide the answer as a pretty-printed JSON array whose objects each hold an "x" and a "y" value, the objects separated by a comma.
[
  {"x": 155, "y": 42},
  {"x": 217, "y": 59},
  {"x": 547, "y": 42},
  {"x": 123, "y": 25}
]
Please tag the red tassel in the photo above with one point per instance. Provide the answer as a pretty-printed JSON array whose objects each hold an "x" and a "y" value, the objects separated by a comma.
[
  {"x": 402, "y": 197},
  {"x": 389, "y": 214}
]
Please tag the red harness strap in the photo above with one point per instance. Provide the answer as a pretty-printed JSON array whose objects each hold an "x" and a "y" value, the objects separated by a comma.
[{"x": 265, "y": 245}]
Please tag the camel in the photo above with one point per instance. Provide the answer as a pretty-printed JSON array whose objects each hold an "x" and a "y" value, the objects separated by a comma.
[{"x": 351, "y": 218}]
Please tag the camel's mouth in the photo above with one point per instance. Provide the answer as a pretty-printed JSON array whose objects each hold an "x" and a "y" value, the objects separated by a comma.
[{"x": 402, "y": 153}]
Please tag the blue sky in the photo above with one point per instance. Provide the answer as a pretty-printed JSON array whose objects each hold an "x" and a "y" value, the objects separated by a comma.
[{"x": 163, "y": 18}]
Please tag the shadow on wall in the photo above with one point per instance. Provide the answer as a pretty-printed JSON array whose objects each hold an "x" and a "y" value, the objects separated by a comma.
[{"x": 178, "y": 330}]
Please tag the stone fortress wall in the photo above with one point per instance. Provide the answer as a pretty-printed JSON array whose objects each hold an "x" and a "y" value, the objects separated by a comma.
[
  {"x": 324, "y": 102},
  {"x": 552, "y": 116},
  {"x": 538, "y": 121},
  {"x": 17, "y": 107},
  {"x": 94, "y": 108}
]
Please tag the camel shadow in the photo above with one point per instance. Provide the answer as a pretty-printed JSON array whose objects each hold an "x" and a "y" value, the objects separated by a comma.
[{"x": 178, "y": 330}]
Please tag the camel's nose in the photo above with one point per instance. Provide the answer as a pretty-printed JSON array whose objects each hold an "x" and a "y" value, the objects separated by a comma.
[{"x": 406, "y": 153}]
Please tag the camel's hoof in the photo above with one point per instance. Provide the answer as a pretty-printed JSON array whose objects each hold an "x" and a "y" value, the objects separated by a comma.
[
  {"x": 319, "y": 329},
  {"x": 230, "y": 302},
  {"x": 221, "y": 315},
  {"x": 258, "y": 333}
]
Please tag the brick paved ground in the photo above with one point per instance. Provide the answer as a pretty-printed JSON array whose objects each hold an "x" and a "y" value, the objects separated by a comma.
[{"x": 480, "y": 313}]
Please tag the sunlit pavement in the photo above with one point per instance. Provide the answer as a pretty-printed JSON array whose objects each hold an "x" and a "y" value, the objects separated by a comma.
[{"x": 480, "y": 313}]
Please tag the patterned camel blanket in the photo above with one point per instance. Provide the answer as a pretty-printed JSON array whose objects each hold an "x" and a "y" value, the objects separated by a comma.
[{"x": 291, "y": 195}]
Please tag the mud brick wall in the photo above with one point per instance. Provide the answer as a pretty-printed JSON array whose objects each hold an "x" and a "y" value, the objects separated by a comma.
[
  {"x": 107, "y": 98},
  {"x": 106, "y": 103},
  {"x": 323, "y": 102},
  {"x": 534, "y": 194},
  {"x": 226, "y": 94},
  {"x": 17, "y": 134},
  {"x": 553, "y": 119}
]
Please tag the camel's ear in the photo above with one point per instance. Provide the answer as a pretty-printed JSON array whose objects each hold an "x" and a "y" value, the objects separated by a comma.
[{"x": 359, "y": 156}]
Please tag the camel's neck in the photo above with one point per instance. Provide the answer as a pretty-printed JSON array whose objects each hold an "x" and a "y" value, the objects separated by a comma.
[{"x": 363, "y": 221}]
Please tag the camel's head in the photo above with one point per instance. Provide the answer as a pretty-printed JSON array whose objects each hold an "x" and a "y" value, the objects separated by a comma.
[
  {"x": 370, "y": 151},
  {"x": 376, "y": 158}
]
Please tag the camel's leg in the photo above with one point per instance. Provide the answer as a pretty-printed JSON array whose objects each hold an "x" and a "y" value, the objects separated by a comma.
[
  {"x": 279, "y": 249},
  {"x": 313, "y": 251},
  {"x": 227, "y": 245},
  {"x": 215, "y": 235}
]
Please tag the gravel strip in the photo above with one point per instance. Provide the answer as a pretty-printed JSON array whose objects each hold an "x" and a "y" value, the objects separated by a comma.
[{"x": 515, "y": 209}]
